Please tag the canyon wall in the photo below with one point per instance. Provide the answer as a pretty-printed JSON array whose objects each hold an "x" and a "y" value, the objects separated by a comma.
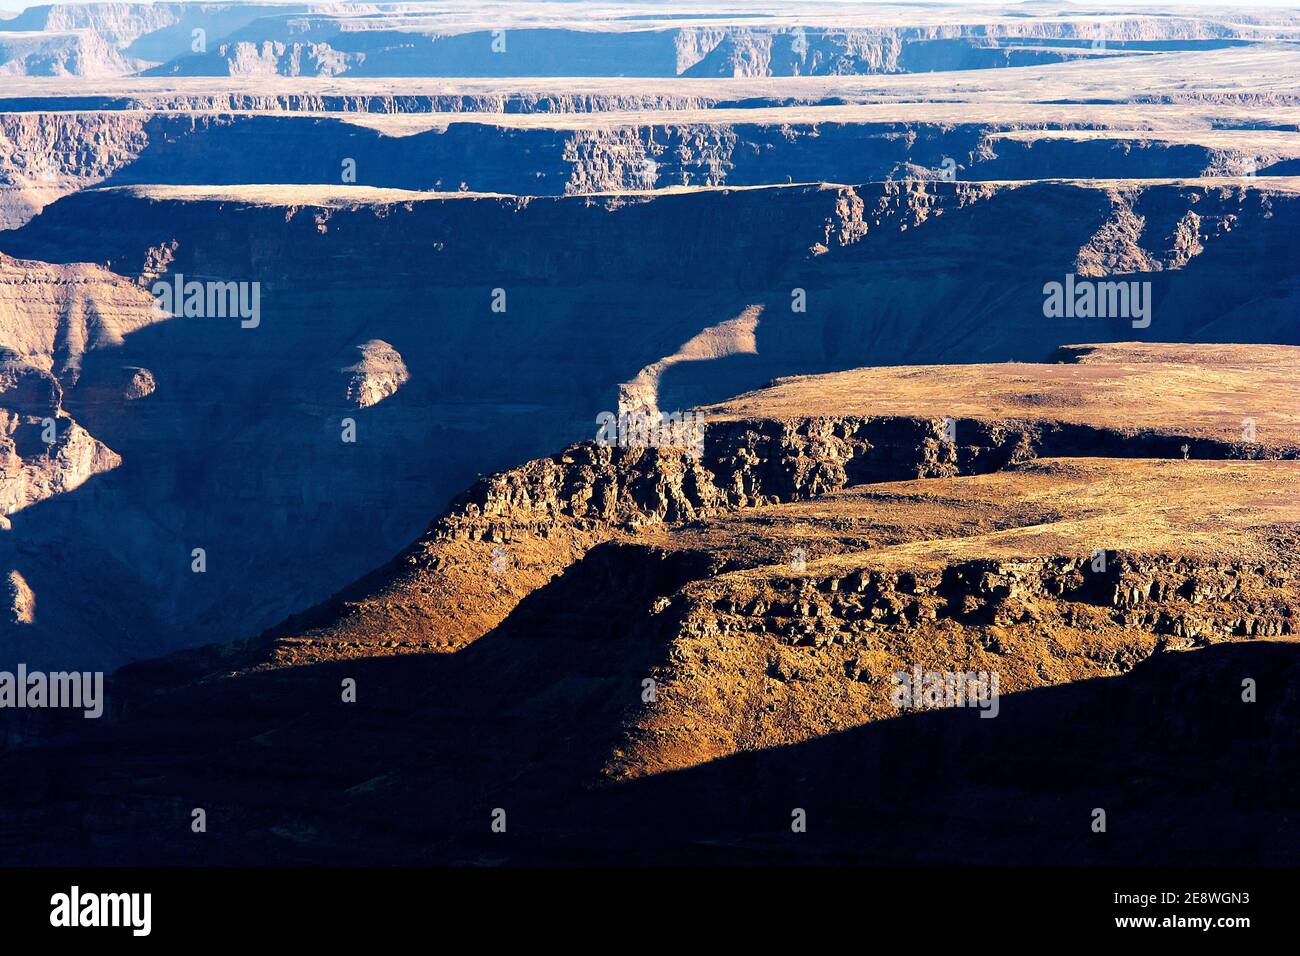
[
  {"x": 48, "y": 155},
  {"x": 239, "y": 446}
]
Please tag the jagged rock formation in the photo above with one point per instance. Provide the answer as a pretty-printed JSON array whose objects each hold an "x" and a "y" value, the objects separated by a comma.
[
  {"x": 772, "y": 655},
  {"x": 554, "y": 508}
]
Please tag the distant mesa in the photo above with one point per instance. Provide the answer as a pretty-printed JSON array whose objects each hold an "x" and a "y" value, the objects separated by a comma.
[{"x": 585, "y": 39}]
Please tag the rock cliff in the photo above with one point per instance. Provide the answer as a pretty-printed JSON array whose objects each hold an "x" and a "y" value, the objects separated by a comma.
[
  {"x": 570, "y": 629},
  {"x": 342, "y": 266}
]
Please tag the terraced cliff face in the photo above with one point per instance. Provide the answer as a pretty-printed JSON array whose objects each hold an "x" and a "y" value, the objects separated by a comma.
[
  {"x": 395, "y": 39},
  {"x": 142, "y": 29},
  {"x": 1176, "y": 89},
  {"x": 48, "y": 155},
  {"x": 241, "y": 445},
  {"x": 330, "y": 47},
  {"x": 357, "y": 95},
  {"x": 839, "y": 244},
  {"x": 50, "y": 317},
  {"x": 116, "y": 39},
  {"x": 71, "y": 53},
  {"x": 769, "y": 656},
  {"x": 570, "y": 629}
]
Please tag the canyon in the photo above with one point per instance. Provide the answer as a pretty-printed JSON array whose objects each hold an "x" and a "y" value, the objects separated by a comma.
[
  {"x": 765, "y": 591},
  {"x": 202, "y": 473},
  {"x": 371, "y": 565}
]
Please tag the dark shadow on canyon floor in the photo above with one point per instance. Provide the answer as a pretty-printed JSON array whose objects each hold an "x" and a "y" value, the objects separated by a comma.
[{"x": 1185, "y": 770}]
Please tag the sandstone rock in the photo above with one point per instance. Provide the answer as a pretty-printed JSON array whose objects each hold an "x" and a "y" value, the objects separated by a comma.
[
  {"x": 379, "y": 373},
  {"x": 22, "y": 602},
  {"x": 140, "y": 384}
]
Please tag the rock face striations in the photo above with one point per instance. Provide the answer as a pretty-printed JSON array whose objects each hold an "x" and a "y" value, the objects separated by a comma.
[
  {"x": 51, "y": 317},
  {"x": 47, "y": 155}
]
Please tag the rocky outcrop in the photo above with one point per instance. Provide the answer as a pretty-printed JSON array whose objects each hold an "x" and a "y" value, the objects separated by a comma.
[
  {"x": 771, "y": 654},
  {"x": 50, "y": 317},
  {"x": 377, "y": 374},
  {"x": 45, "y": 454},
  {"x": 68, "y": 53},
  {"x": 544, "y": 515},
  {"x": 140, "y": 383},
  {"x": 22, "y": 602}
]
